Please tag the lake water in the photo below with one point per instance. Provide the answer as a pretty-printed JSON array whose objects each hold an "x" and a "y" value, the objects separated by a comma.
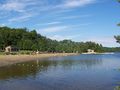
[{"x": 82, "y": 72}]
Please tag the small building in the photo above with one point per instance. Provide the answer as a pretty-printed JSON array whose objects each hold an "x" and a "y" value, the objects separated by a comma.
[
  {"x": 90, "y": 51},
  {"x": 9, "y": 49}
]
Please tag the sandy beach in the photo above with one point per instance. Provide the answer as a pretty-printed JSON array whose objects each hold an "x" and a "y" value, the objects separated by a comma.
[{"x": 12, "y": 59}]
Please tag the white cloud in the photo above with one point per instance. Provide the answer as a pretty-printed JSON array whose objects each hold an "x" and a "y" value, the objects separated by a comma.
[
  {"x": 21, "y": 18},
  {"x": 41, "y": 5},
  {"x": 54, "y": 29},
  {"x": 74, "y": 17},
  {"x": 76, "y": 3},
  {"x": 60, "y": 28},
  {"x": 60, "y": 37},
  {"x": 13, "y": 6},
  {"x": 50, "y": 23},
  {"x": 17, "y": 5}
]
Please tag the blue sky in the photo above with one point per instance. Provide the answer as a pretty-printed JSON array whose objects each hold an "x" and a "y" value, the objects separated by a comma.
[{"x": 78, "y": 20}]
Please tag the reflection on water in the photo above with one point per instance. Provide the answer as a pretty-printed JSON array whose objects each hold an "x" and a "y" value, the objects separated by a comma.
[
  {"x": 23, "y": 70},
  {"x": 84, "y": 72}
]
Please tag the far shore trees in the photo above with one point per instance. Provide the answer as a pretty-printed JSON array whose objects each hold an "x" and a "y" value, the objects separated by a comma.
[{"x": 25, "y": 39}]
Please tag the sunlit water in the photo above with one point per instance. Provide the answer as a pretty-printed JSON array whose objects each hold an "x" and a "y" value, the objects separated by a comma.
[{"x": 82, "y": 72}]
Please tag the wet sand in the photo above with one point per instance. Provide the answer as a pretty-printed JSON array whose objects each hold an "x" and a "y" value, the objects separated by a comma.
[{"x": 12, "y": 59}]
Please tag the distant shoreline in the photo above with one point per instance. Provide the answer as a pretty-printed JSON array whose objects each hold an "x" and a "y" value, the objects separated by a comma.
[
  {"x": 100, "y": 53},
  {"x": 13, "y": 59}
]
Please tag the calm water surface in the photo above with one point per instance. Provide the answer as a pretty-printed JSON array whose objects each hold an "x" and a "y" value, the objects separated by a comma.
[{"x": 82, "y": 72}]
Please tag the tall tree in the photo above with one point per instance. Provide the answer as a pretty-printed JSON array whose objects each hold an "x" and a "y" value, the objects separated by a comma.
[{"x": 118, "y": 36}]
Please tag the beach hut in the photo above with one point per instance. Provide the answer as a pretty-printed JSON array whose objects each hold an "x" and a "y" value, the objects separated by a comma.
[
  {"x": 90, "y": 51},
  {"x": 11, "y": 49}
]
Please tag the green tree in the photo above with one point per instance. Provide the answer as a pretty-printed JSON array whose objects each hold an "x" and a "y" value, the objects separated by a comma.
[
  {"x": 118, "y": 36},
  {"x": 31, "y": 40},
  {"x": 34, "y": 47}
]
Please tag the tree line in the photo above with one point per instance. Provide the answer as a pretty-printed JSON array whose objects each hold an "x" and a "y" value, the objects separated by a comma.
[{"x": 25, "y": 39}]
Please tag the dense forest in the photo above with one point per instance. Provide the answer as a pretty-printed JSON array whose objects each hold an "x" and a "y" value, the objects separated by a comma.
[{"x": 25, "y": 39}]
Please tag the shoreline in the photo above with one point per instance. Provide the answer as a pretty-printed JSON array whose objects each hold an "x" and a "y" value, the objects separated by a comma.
[
  {"x": 98, "y": 53},
  {"x": 13, "y": 59}
]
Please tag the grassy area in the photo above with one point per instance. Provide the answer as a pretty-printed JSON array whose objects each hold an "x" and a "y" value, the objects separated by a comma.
[
  {"x": 117, "y": 88},
  {"x": 22, "y": 52},
  {"x": 25, "y": 52},
  {"x": 2, "y": 53}
]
